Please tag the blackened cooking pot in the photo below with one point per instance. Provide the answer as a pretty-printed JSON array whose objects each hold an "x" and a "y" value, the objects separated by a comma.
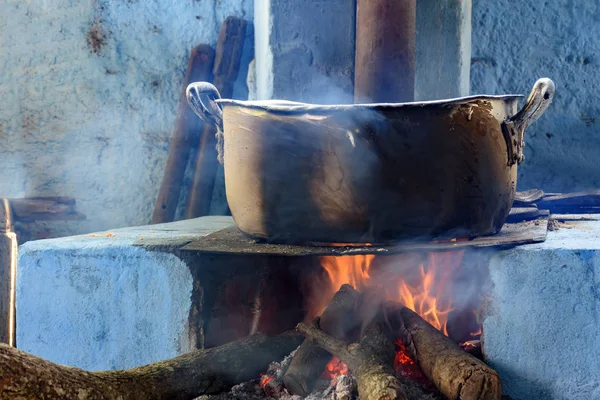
[{"x": 297, "y": 173}]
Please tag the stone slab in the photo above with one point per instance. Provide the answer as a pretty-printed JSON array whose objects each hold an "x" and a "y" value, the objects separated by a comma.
[
  {"x": 542, "y": 329},
  {"x": 109, "y": 300}
]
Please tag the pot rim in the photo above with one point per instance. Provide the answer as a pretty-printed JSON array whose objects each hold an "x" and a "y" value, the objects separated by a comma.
[{"x": 299, "y": 107}]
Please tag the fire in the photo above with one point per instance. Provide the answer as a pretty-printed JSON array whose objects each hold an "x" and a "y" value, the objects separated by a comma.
[
  {"x": 423, "y": 287},
  {"x": 265, "y": 379},
  {"x": 404, "y": 363},
  {"x": 351, "y": 269},
  {"x": 334, "y": 368}
]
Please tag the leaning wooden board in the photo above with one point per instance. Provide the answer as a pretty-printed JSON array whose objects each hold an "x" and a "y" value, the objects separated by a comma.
[
  {"x": 563, "y": 203},
  {"x": 184, "y": 138},
  {"x": 228, "y": 56}
]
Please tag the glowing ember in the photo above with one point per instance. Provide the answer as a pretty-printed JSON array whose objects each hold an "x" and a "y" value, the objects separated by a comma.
[
  {"x": 334, "y": 368},
  {"x": 265, "y": 379},
  {"x": 403, "y": 364}
]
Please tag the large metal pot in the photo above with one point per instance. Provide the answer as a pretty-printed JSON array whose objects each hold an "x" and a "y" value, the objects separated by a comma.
[{"x": 377, "y": 173}]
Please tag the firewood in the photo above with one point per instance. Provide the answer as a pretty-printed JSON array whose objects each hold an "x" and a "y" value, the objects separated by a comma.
[
  {"x": 310, "y": 359},
  {"x": 25, "y": 376},
  {"x": 456, "y": 373},
  {"x": 370, "y": 360}
]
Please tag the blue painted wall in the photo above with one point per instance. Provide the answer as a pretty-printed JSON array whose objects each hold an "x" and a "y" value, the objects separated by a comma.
[{"x": 514, "y": 43}]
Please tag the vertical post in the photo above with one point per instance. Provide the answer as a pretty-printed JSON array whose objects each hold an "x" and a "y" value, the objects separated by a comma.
[
  {"x": 8, "y": 271},
  {"x": 385, "y": 51},
  {"x": 443, "y": 49}
]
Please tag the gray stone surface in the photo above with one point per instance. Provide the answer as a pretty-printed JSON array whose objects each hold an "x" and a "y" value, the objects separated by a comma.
[
  {"x": 515, "y": 43},
  {"x": 305, "y": 50},
  {"x": 443, "y": 54},
  {"x": 89, "y": 99},
  {"x": 542, "y": 329},
  {"x": 108, "y": 300}
]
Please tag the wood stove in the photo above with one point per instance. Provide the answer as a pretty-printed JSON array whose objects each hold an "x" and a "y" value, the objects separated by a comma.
[
  {"x": 199, "y": 283},
  {"x": 245, "y": 286}
]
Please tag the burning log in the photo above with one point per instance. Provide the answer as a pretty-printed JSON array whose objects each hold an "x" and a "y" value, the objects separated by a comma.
[
  {"x": 25, "y": 376},
  {"x": 472, "y": 347},
  {"x": 370, "y": 360},
  {"x": 311, "y": 359},
  {"x": 456, "y": 373}
]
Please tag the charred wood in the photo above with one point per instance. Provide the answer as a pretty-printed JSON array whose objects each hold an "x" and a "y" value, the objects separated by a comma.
[
  {"x": 211, "y": 371},
  {"x": 311, "y": 359},
  {"x": 370, "y": 360},
  {"x": 473, "y": 347},
  {"x": 456, "y": 373}
]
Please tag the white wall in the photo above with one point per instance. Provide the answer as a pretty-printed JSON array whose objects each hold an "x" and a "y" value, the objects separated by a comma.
[
  {"x": 88, "y": 99},
  {"x": 517, "y": 42}
]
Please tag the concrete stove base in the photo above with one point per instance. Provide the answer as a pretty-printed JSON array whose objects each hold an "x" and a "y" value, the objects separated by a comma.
[
  {"x": 111, "y": 301},
  {"x": 542, "y": 329}
]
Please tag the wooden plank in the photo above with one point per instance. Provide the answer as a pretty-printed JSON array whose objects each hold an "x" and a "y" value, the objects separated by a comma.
[
  {"x": 185, "y": 137},
  {"x": 228, "y": 56},
  {"x": 589, "y": 199},
  {"x": 232, "y": 241},
  {"x": 528, "y": 196},
  {"x": 518, "y": 214}
]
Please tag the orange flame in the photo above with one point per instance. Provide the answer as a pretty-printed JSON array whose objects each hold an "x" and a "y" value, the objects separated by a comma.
[
  {"x": 265, "y": 379},
  {"x": 426, "y": 293}
]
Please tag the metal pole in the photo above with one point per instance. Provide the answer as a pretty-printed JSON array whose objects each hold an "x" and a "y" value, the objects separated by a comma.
[
  {"x": 385, "y": 51},
  {"x": 8, "y": 272}
]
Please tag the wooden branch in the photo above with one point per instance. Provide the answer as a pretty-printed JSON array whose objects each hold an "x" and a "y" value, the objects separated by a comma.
[
  {"x": 370, "y": 360},
  {"x": 456, "y": 373},
  {"x": 25, "y": 376},
  {"x": 310, "y": 359}
]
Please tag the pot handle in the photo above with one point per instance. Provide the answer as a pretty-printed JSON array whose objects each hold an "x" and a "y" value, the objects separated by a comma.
[
  {"x": 206, "y": 108},
  {"x": 201, "y": 97},
  {"x": 514, "y": 128}
]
